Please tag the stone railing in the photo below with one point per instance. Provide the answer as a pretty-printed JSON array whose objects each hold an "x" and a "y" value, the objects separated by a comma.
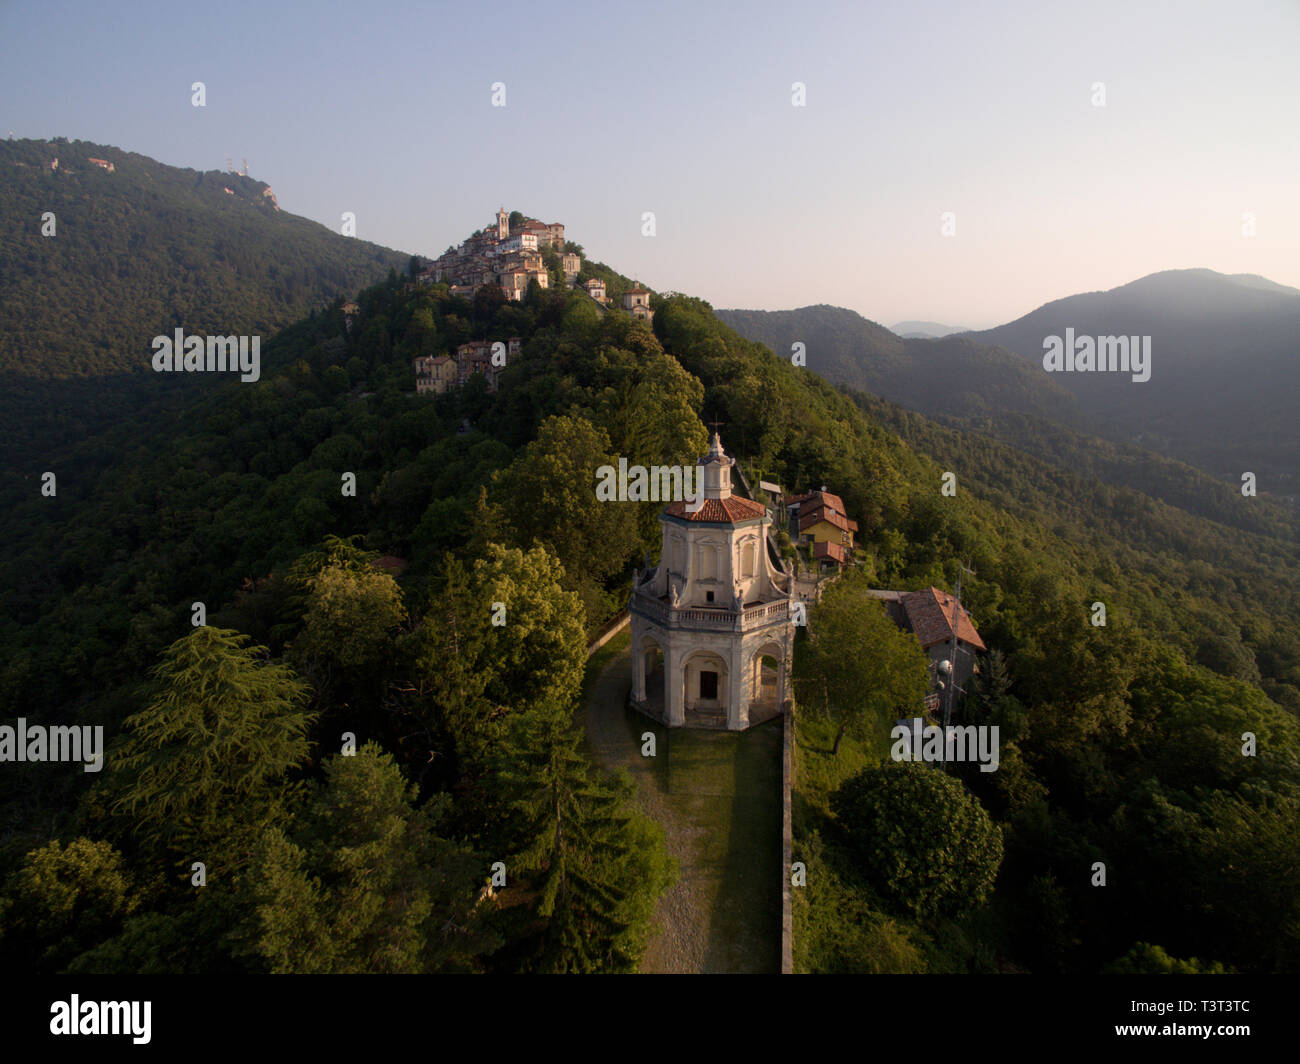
[{"x": 718, "y": 620}]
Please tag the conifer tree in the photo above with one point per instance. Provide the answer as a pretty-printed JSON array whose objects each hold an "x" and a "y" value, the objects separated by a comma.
[
  {"x": 362, "y": 883},
  {"x": 598, "y": 865},
  {"x": 202, "y": 770}
]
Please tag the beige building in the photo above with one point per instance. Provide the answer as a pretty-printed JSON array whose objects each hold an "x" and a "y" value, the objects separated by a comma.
[
  {"x": 434, "y": 374},
  {"x": 636, "y": 301},
  {"x": 711, "y": 626}
]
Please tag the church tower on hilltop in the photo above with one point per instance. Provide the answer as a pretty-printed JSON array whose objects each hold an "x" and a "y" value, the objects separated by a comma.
[
  {"x": 711, "y": 624},
  {"x": 503, "y": 224}
]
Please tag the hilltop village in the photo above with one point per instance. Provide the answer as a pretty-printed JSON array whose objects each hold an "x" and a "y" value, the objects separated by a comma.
[{"x": 509, "y": 257}]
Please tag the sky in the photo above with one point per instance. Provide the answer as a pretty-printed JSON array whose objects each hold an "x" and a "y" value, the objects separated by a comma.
[{"x": 1069, "y": 147}]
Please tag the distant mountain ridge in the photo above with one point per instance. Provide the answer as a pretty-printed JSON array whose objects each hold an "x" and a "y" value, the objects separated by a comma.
[
  {"x": 1225, "y": 376},
  {"x": 947, "y": 376},
  {"x": 925, "y": 329},
  {"x": 1222, "y": 395}
]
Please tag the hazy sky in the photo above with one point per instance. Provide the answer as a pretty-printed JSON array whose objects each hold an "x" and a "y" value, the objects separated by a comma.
[{"x": 684, "y": 109}]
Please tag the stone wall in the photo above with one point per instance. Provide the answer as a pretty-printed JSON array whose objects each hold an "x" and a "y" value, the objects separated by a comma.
[
  {"x": 608, "y": 631},
  {"x": 787, "y": 838}
]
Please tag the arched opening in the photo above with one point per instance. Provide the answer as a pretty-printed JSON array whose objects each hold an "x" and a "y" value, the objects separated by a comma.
[
  {"x": 706, "y": 683},
  {"x": 766, "y": 678}
]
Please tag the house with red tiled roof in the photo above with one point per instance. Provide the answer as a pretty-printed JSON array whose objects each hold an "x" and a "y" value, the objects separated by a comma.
[
  {"x": 818, "y": 518},
  {"x": 930, "y": 615},
  {"x": 711, "y": 625}
]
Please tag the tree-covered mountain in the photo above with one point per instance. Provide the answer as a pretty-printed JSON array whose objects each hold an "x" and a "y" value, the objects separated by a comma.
[
  {"x": 134, "y": 253},
  {"x": 1121, "y": 743},
  {"x": 1225, "y": 368}
]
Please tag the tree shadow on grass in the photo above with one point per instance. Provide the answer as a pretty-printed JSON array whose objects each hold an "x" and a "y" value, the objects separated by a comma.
[{"x": 745, "y": 924}]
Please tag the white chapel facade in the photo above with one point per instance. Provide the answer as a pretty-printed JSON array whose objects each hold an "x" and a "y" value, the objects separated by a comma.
[{"x": 711, "y": 628}]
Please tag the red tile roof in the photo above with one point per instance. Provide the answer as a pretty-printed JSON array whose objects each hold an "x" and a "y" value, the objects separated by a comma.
[
  {"x": 820, "y": 498},
  {"x": 835, "y": 551},
  {"x": 929, "y": 613},
  {"x": 832, "y": 517},
  {"x": 719, "y": 511}
]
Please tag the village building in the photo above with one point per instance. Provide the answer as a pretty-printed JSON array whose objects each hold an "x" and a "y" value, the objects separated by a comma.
[
  {"x": 435, "y": 374},
  {"x": 571, "y": 265},
  {"x": 596, "y": 289},
  {"x": 711, "y": 627},
  {"x": 636, "y": 301},
  {"x": 519, "y": 242},
  {"x": 104, "y": 164},
  {"x": 476, "y": 357},
  {"x": 515, "y": 282},
  {"x": 930, "y": 616},
  {"x": 818, "y": 518},
  {"x": 391, "y": 564}
]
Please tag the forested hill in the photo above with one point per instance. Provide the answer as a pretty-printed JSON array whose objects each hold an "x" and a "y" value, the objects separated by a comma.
[
  {"x": 1225, "y": 368},
  {"x": 133, "y": 254},
  {"x": 1121, "y": 743},
  {"x": 970, "y": 384}
]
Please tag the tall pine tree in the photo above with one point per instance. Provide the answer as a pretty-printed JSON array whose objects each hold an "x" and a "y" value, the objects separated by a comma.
[
  {"x": 202, "y": 771},
  {"x": 597, "y": 865}
]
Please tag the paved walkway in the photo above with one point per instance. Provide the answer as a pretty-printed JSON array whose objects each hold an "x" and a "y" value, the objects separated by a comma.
[{"x": 717, "y": 796}]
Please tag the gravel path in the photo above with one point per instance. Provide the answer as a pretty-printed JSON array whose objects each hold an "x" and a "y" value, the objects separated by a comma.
[{"x": 717, "y": 797}]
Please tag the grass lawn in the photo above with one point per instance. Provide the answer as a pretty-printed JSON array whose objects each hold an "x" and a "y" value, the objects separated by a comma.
[
  {"x": 838, "y": 925},
  {"x": 718, "y": 797},
  {"x": 597, "y": 662}
]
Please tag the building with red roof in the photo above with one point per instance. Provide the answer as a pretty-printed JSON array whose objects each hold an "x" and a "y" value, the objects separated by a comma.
[
  {"x": 930, "y": 614},
  {"x": 818, "y": 518},
  {"x": 711, "y": 625}
]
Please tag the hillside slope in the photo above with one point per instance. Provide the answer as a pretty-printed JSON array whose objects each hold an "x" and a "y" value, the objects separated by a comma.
[
  {"x": 136, "y": 253},
  {"x": 1225, "y": 368}
]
